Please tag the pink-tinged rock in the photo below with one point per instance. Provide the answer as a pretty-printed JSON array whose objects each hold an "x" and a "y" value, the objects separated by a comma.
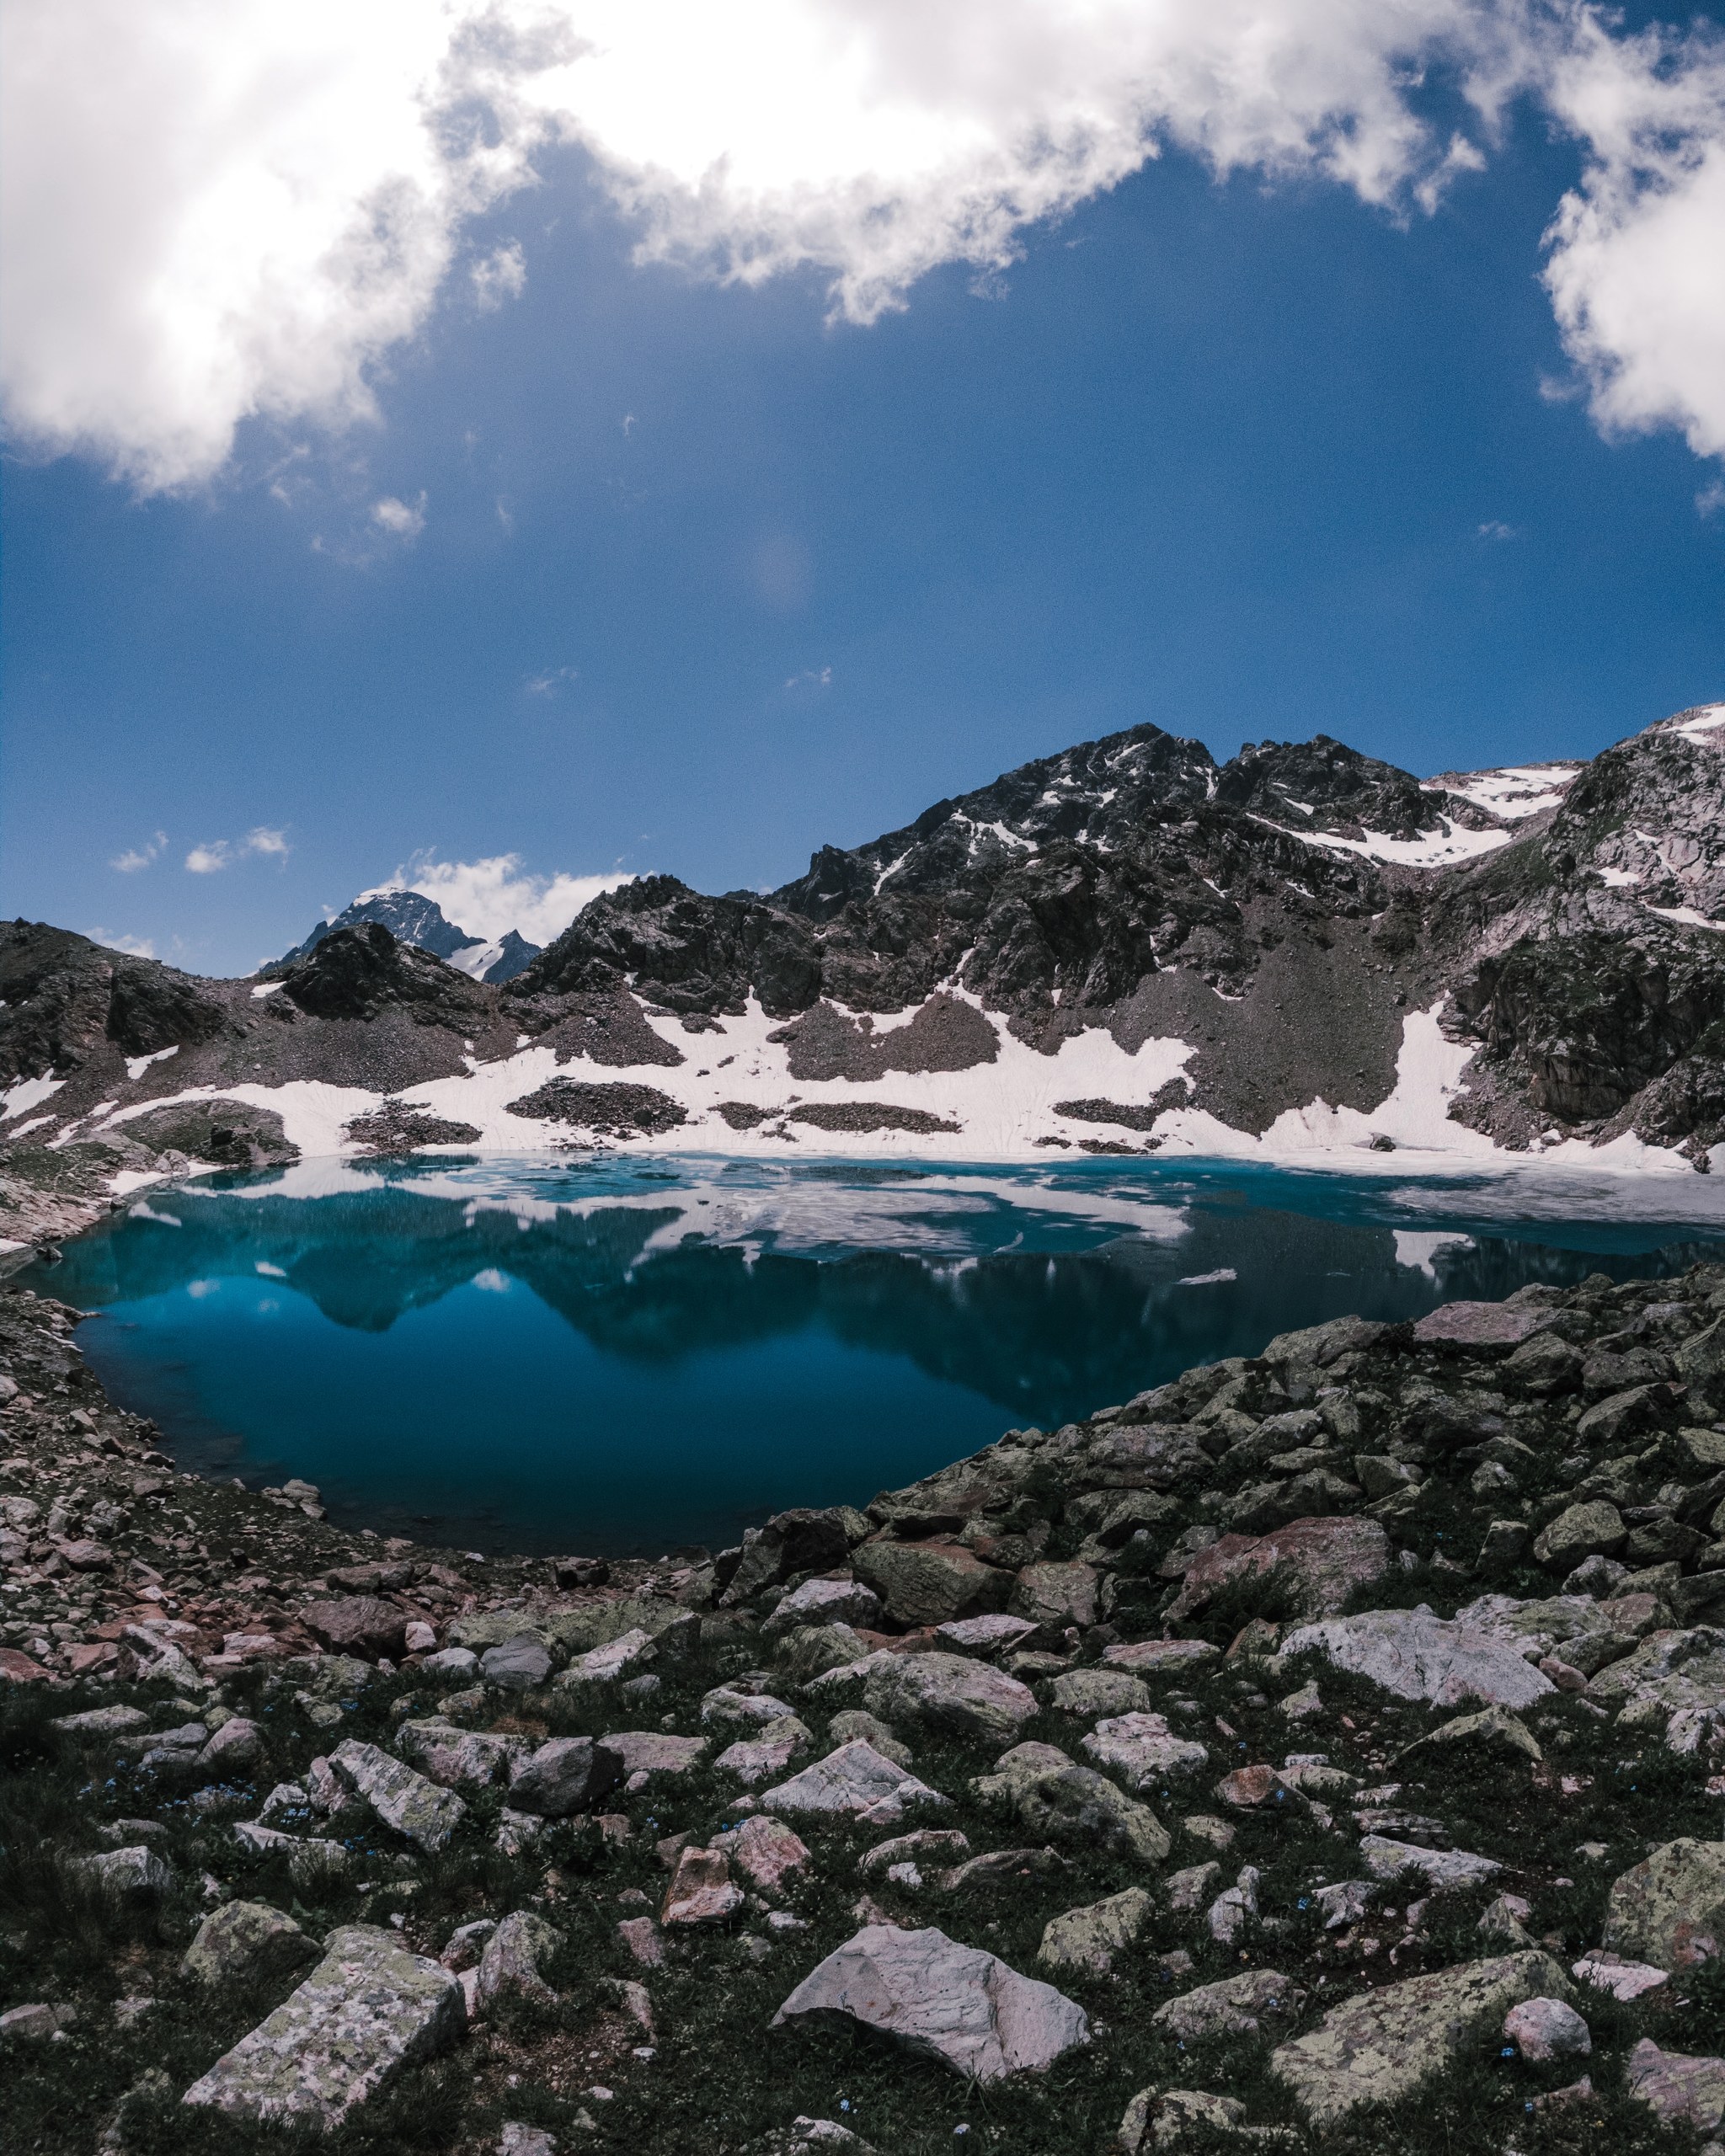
[
  {"x": 1678, "y": 2088},
  {"x": 1143, "y": 1750},
  {"x": 1247, "y": 1787},
  {"x": 87, "y": 1655},
  {"x": 1480, "y": 1325},
  {"x": 1545, "y": 2028},
  {"x": 1055, "y": 1595},
  {"x": 1315, "y": 1563},
  {"x": 854, "y": 1780},
  {"x": 421, "y": 1639},
  {"x": 86, "y": 1556},
  {"x": 701, "y": 1890},
  {"x": 1416, "y": 1655},
  {"x": 1159, "y": 1657},
  {"x": 17, "y": 1668},
  {"x": 765, "y": 1850},
  {"x": 640, "y": 1934},
  {"x": 357, "y": 1625},
  {"x": 943, "y": 2001},
  {"x": 931, "y": 1583},
  {"x": 985, "y": 1635}
]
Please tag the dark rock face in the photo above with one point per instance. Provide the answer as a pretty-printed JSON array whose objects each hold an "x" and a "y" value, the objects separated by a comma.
[
  {"x": 410, "y": 917},
  {"x": 400, "y": 1126},
  {"x": 619, "y": 1110},
  {"x": 64, "y": 996},
  {"x": 515, "y": 954},
  {"x": 356, "y": 972}
]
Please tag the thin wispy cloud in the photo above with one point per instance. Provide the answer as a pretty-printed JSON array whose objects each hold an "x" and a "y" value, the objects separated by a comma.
[
  {"x": 135, "y": 946},
  {"x": 549, "y": 683},
  {"x": 210, "y": 215},
  {"x": 139, "y": 857},
  {"x": 210, "y": 859},
  {"x": 1492, "y": 529},
  {"x": 811, "y": 677}
]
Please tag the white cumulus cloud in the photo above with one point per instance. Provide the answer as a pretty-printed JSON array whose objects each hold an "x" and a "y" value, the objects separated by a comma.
[
  {"x": 219, "y": 209},
  {"x": 222, "y": 853},
  {"x": 401, "y": 519},
  {"x": 489, "y": 897},
  {"x": 136, "y": 858}
]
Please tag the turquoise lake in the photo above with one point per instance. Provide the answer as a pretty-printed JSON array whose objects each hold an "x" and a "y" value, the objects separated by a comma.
[{"x": 638, "y": 1354}]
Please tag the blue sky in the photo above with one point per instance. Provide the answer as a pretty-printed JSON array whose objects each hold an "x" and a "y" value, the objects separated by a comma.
[{"x": 669, "y": 574}]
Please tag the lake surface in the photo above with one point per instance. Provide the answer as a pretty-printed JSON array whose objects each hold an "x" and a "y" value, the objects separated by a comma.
[{"x": 637, "y": 1354}]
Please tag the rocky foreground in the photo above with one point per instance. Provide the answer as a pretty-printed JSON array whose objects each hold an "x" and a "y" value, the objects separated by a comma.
[{"x": 1324, "y": 1751}]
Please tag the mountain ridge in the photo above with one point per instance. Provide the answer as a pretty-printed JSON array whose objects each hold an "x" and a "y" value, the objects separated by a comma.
[{"x": 1122, "y": 948}]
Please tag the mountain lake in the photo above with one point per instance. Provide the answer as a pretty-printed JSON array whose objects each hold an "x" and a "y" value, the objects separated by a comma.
[{"x": 632, "y": 1354}]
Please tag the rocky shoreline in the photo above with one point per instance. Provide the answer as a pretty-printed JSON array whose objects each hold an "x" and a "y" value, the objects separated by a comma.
[{"x": 1324, "y": 1751}]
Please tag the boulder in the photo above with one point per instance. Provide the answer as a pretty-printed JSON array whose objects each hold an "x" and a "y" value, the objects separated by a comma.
[
  {"x": 236, "y": 1748},
  {"x": 1056, "y": 1801},
  {"x": 1143, "y": 1750},
  {"x": 857, "y": 1721},
  {"x": 991, "y": 1635},
  {"x": 1480, "y": 1325},
  {"x": 311, "y": 1862},
  {"x": 728, "y": 1708},
  {"x": 135, "y": 1875},
  {"x": 1678, "y": 2089},
  {"x": 939, "y": 2000},
  {"x": 514, "y": 1955},
  {"x": 1418, "y": 1656},
  {"x": 1237, "y": 2006},
  {"x": 568, "y": 1774},
  {"x": 807, "y": 2137},
  {"x": 810, "y": 1651},
  {"x": 854, "y": 1781},
  {"x": 1494, "y": 1732},
  {"x": 1669, "y": 1910},
  {"x": 701, "y": 1892},
  {"x": 766, "y": 1851},
  {"x": 1164, "y": 2118},
  {"x": 1592, "y": 1529},
  {"x": 824, "y": 1601},
  {"x": 1442, "y": 1870},
  {"x": 1093, "y": 1692},
  {"x": 458, "y": 1758},
  {"x": 949, "y": 1692},
  {"x": 357, "y": 1625},
  {"x": 1309, "y": 1567},
  {"x": 518, "y": 1664},
  {"x": 402, "y": 1798},
  {"x": 653, "y": 1751},
  {"x": 1381, "y": 2046},
  {"x": 248, "y": 1943},
  {"x": 1055, "y": 1595},
  {"x": 1153, "y": 1658},
  {"x": 931, "y": 1583},
  {"x": 367, "y": 2010},
  {"x": 756, "y": 1759},
  {"x": 1543, "y": 2029},
  {"x": 799, "y": 1540},
  {"x": 1088, "y": 1939},
  {"x": 626, "y": 1656},
  {"x": 99, "y": 1723}
]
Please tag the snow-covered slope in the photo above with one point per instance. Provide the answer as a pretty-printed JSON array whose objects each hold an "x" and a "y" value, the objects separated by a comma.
[
  {"x": 413, "y": 919},
  {"x": 1302, "y": 953}
]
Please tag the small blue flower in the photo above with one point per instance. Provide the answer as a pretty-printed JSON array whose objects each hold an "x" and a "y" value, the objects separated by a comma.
[{"x": 1508, "y": 2052}]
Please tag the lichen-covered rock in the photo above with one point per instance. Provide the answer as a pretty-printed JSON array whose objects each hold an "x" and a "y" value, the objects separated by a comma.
[
  {"x": 1382, "y": 2046},
  {"x": 402, "y": 1797},
  {"x": 931, "y": 1583},
  {"x": 127, "y": 1875},
  {"x": 1543, "y": 2029},
  {"x": 1159, "y": 2119},
  {"x": 1055, "y": 1595},
  {"x": 756, "y": 1759},
  {"x": 1159, "y": 1658},
  {"x": 653, "y": 1751},
  {"x": 1678, "y": 2089},
  {"x": 1237, "y": 2006},
  {"x": 857, "y": 1722},
  {"x": 455, "y": 1758},
  {"x": 949, "y": 1692},
  {"x": 1055, "y": 1800},
  {"x": 1595, "y": 1529},
  {"x": 1418, "y": 1656},
  {"x": 236, "y": 1748},
  {"x": 1093, "y": 1692},
  {"x": 368, "y": 2010},
  {"x": 357, "y": 1625},
  {"x": 939, "y": 2000},
  {"x": 1088, "y": 1939},
  {"x": 248, "y": 1943},
  {"x": 517, "y": 1664},
  {"x": 515, "y": 1955},
  {"x": 824, "y": 1601},
  {"x": 626, "y": 1656},
  {"x": 1492, "y": 1732},
  {"x": 1669, "y": 1910}
]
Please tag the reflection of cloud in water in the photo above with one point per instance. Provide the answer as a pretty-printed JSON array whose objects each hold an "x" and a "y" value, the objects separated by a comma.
[{"x": 1416, "y": 1249}]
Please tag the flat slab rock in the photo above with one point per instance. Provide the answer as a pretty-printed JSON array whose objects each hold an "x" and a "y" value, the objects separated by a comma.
[
  {"x": 1143, "y": 1750},
  {"x": 1159, "y": 1657},
  {"x": 1678, "y": 2088},
  {"x": 855, "y": 1780},
  {"x": 400, "y": 1795},
  {"x": 1237, "y": 2006},
  {"x": 950, "y": 1692},
  {"x": 654, "y": 1751},
  {"x": 1380, "y": 2046},
  {"x": 1418, "y": 1656},
  {"x": 368, "y": 2010},
  {"x": 940, "y": 2000},
  {"x": 1480, "y": 1325},
  {"x": 1670, "y": 1909}
]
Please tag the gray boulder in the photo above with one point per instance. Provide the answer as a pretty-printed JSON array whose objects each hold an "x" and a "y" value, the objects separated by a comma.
[
  {"x": 1543, "y": 2029},
  {"x": 1163, "y": 2118},
  {"x": 248, "y": 1943},
  {"x": 939, "y": 2000},
  {"x": 857, "y": 1721},
  {"x": 1592, "y": 1529},
  {"x": 519, "y": 1664},
  {"x": 236, "y": 1748},
  {"x": 366, "y": 2011},
  {"x": 855, "y": 1781},
  {"x": 1143, "y": 1750},
  {"x": 1093, "y": 1692},
  {"x": 949, "y": 1692},
  {"x": 1678, "y": 2089},
  {"x": 568, "y": 1774},
  {"x": 1418, "y": 1656},
  {"x": 1382, "y": 2044},
  {"x": 514, "y": 1954},
  {"x": 1056, "y": 1801},
  {"x": 127, "y": 1875},
  {"x": 402, "y": 1798},
  {"x": 457, "y": 1759}
]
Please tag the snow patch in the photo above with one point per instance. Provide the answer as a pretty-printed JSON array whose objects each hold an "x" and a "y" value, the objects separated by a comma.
[
  {"x": 28, "y": 1093},
  {"x": 24, "y": 1130},
  {"x": 1618, "y": 879},
  {"x": 269, "y": 1271},
  {"x": 1209, "y": 1279},
  {"x": 1430, "y": 850},
  {"x": 268, "y": 988},
  {"x": 1703, "y": 730},
  {"x": 1516, "y": 790},
  {"x": 1687, "y": 917},
  {"x": 136, "y": 1066}
]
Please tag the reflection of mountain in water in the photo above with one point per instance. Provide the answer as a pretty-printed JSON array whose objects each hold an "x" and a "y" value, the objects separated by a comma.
[{"x": 1045, "y": 1337}]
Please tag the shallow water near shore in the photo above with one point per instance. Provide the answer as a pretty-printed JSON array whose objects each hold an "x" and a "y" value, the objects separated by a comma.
[{"x": 633, "y": 1354}]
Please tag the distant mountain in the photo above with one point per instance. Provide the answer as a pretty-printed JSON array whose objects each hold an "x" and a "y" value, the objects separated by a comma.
[
  {"x": 418, "y": 921},
  {"x": 1301, "y": 954}
]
